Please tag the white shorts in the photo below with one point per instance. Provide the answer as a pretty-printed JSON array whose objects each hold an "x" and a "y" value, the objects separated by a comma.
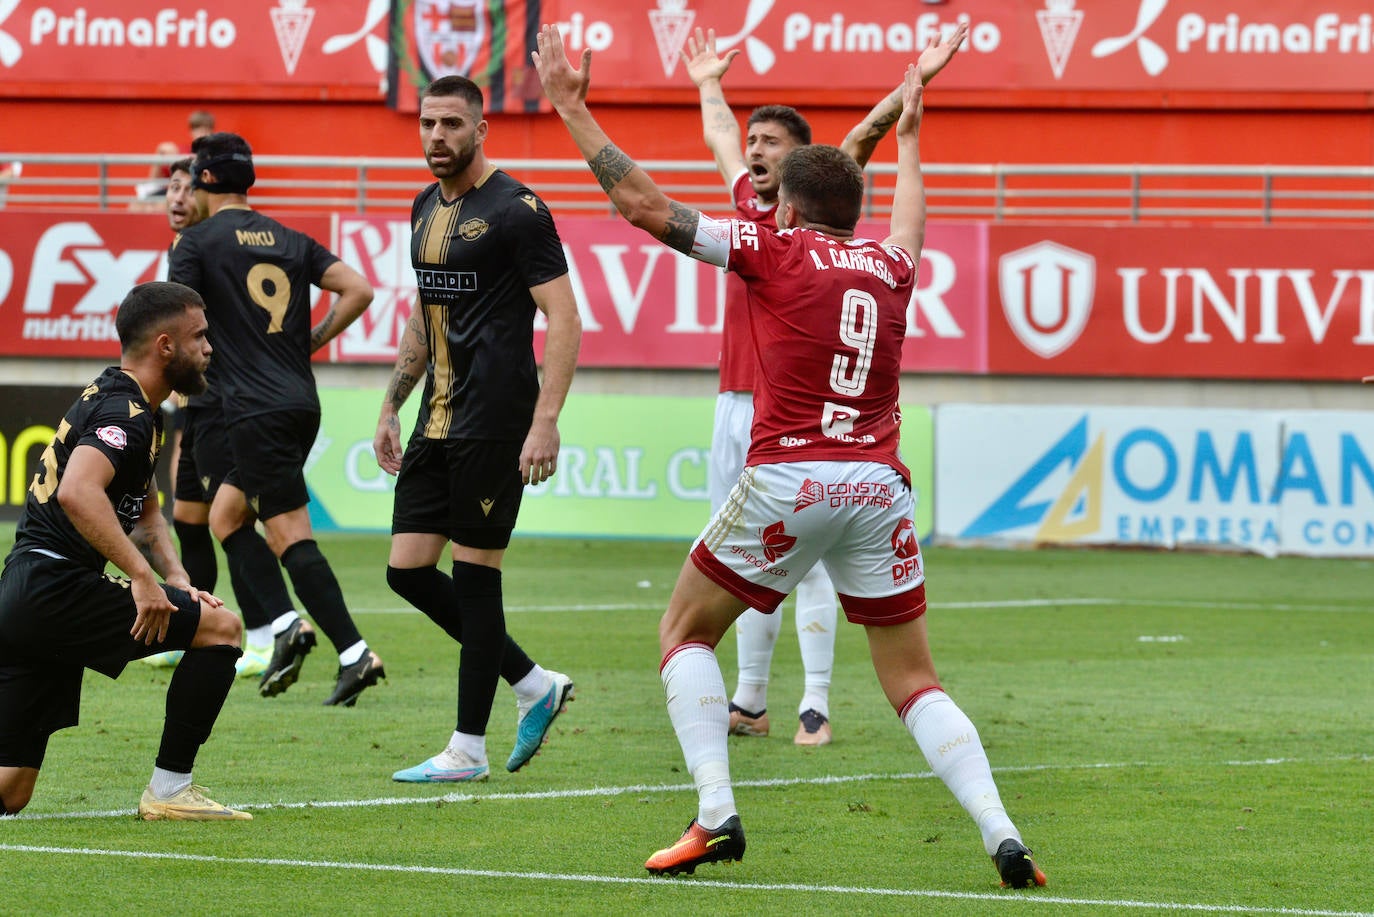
[
  {"x": 729, "y": 444},
  {"x": 781, "y": 520}
]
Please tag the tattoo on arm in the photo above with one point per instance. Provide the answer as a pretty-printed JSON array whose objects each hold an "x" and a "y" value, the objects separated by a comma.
[
  {"x": 884, "y": 124},
  {"x": 681, "y": 231},
  {"x": 610, "y": 166},
  {"x": 320, "y": 333},
  {"x": 402, "y": 383}
]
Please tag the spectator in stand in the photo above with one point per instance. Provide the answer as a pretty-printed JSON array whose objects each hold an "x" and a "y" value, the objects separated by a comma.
[{"x": 150, "y": 194}]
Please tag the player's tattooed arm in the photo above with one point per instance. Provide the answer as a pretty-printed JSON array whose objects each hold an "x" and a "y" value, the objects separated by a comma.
[
  {"x": 680, "y": 232},
  {"x": 411, "y": 359},
  {"x": 320, "y": 334},
  {"x": 610, "y": 166}
]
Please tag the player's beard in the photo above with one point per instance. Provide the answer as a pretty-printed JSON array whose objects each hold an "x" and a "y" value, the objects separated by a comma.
[
  {"x": 459, "y": 159},
  {"x": 185, "y": 376}
]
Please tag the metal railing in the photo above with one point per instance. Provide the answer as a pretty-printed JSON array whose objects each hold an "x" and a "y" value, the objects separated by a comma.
[{"x": 986, "y": 191}]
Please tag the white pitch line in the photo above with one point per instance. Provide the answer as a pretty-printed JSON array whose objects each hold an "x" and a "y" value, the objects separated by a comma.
[
  {"x": 599, "y": 792},
  {"x": 684, "y": 884},
  {"x": 958, "y": 606}
]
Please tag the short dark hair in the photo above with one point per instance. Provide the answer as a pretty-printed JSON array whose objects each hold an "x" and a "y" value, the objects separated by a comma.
[
  {"x": 148, "y": 308},
  {"x": 229, "y": 157},
  {"x": 454, "y": 85},
  {"x": 785, "y": 115},
  {"x": 824, "y": 183},
  {"x": 182, "y": 165}
]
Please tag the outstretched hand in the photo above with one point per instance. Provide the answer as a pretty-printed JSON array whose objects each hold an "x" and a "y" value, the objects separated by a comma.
[
  {"x": 913, "y": 94},
  {"x": 937, "y": 54},
  {"x": 564, "y": 86},
  {"x": 700, "y": 58}
]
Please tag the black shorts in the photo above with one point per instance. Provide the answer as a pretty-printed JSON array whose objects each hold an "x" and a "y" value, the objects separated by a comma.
[
  {"x": 467, "y": 490},
  {"x": 186, "y": 483},
  {"x": 57, "y": 618},
  {"x": 269, "y": 459},
  {"x": 213, "y": 462}
]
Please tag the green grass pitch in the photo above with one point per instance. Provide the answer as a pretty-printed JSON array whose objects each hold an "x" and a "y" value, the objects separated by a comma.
[{"x": 1171, "y": 732}]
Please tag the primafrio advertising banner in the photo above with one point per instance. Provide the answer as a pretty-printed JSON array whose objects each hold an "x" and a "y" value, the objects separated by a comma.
[
  {"x": 324, "y": 51},
  {"x": 1264, "y": 481}
]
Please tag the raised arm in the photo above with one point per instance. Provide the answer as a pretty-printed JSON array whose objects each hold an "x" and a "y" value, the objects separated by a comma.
[
  {"x": 627, "y": 185},
  {"x": 863, "y": 138},
  {"x": 720, "y": 130},
  {"x": 909, "y": 197}
]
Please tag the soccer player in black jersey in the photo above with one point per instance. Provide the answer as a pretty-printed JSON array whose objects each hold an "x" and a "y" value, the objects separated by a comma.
[
  {"x": 255, "y": 275},
  {"x": 486, "y": 257},
  {"x": 94, "y": 501},
  {"x": 201, "y": 431}
]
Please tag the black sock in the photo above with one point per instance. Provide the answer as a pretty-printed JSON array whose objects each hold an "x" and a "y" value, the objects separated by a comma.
[
  {"x": 198, "y": 554},
  {"x": 199, "y": 686},
  {"x": 319, "y": 592},
  {"x": 484, "y": 639},
  {"x": 253, "y": 566},
  {"x": 432, "y": 592},
  {"x": 254, "y": 613}
]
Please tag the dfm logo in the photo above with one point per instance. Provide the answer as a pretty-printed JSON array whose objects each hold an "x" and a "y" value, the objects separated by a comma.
[{"x": 1152, "y": 57}]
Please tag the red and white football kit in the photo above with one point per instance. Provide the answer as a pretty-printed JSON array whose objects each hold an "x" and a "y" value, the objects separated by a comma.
[
  {"x": 735, "y": 402},
  {"x": 824, "y": 478}
]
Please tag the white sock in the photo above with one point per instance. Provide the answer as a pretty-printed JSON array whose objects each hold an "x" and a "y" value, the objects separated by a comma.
[
  {"x": 755, "y": 635},
  {"x": 532, "y": 688},
  {"x": 695, "y": 691},
  {"x": 353, "y": 653},
  {"x": 166, "y": 784},
  {"x": 283, "y": 621},
  {"x": 259, "y": 636},
  {"x": 951, "y": 745},
  {"x": 475, "y": 747},
  {"x": 817, "y": 613}
]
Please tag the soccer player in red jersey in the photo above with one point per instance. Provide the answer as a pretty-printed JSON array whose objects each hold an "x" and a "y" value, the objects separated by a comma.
[
  {"x": 823, "y": 480},
  {"x": 752, "y": 177}
]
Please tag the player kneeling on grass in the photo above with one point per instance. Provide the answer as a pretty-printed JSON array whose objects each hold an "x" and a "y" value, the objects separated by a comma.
[
  {"x": 829, "y": 311},
  {"x": 94, "y": 501}
]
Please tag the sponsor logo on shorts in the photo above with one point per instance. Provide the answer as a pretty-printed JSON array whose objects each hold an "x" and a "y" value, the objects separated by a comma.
[
  {"x": 907, "y": 569},
  {"x": 776, "y": 542},
  {"x": 113, "y": 436},
  {"x": 810, "y": 493},
  {"x": 844, "y": 493}
]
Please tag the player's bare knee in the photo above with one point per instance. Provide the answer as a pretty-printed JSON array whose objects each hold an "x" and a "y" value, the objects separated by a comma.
[
  {"x": 218, "y": 627},
  {"x": 15, "y": 791}
]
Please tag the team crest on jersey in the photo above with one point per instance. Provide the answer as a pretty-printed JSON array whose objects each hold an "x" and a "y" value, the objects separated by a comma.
[
  {"x": 113, "y": 436},
  {"x": 531, "y": 201},
  {"x": 810, "y": 493},
  {"x": 473, "y": 229}
]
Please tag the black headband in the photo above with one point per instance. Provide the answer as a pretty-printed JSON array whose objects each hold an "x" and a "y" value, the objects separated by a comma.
[{"x": 234, "y": 171}]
